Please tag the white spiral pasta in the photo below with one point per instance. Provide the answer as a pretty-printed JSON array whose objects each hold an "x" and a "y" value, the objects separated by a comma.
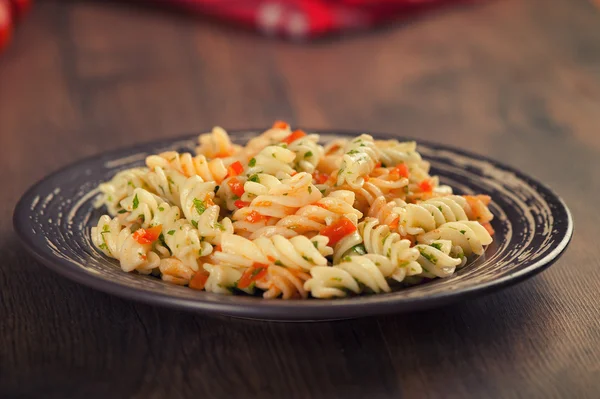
[
  {"x": 378, "y": 240},
  {"x": 308, "y": 153},
  {"x": 436, "y": 259},
  {"x": 217, "y": 144},
  {"x": 117, "y": 242},
  {"x": 119, "y": 187},
  {"x": 468, "y": 235},
  {"x": 297, "y": 252},
  {"x": 361, "y": 156},
  {"x": 287, "y": 217},
  {"x": 213, "y": 170}
]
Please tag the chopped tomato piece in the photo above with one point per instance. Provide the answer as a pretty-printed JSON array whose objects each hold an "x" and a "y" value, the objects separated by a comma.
[
  {"x": 338, "y": 230},
  {"x": 320, "y": 177},
  {"x": 271, "y": 258},
  {"x": 400, "y": 170},
  {"x": 199, "y": 280},
  {"x": 218, "y": 248},
  {"x": 241, "y": 204},
  {"x": 6, "y": 24},
  {"x": 280, "y": 125},
  {"x": 394, "y": 224},
  {"x": 235, "y": 169},
  {"x": 486, "y": 199},
  {"x": 297, "y": 134},
  {"x": 225, "y": 153},
  {"x": 147, "y": 236},
  {"x": 253, "y": 273},
  {"x": 378, "y": 165},
  {"x": 426, "y": 185},
  {"x": 366, "y": 178},
  {"x": 254, "y": 217},
  {"x": 489, "y": 228},
  {"x": 333, "y": 149},
  {"x": 236, "y": 186}
]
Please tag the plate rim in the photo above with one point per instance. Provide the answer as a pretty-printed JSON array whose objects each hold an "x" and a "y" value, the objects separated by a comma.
[{"x": 297, "y": 310}]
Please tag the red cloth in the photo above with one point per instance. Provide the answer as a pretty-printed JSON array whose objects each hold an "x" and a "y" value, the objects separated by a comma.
[{"x": 300, "y": 19}]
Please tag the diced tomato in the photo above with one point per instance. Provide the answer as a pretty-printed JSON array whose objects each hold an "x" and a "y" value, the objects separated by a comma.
[
  {"x": 236, "y": 186},
  {"x": 426, "y": 186},
  {"x": 241, "y": 204},
  {"x": 218, "y": 248},
  {"x": 320, "y": 177},
  {"x": 20, "y": 8},
  {"x": 147, "y": 236},
  {"x": 6, "y": 24},
  {"x": 280, "y": 125},
  {"x": 253, "y": 273},
  {"x": 297, "y": 134},
  {"x": 254, "y": 217},
  {"x": 235, "y": 169},
  {"x": 199, "y": 280},
  {"x": 394, "y": 224},
  {"x": 400, "y": 170},
  {"x": 366, "y": 178},
  {"x": 225, "y": 153},
  {"x": 489, "y": 228},
  {"x": 338, "y": 230},
  {"x": 272, "y": 258},
  {"x": 473, "y": 199},
  {"x": 378, "y": 165},
  {"x": 333, "y": 149}
]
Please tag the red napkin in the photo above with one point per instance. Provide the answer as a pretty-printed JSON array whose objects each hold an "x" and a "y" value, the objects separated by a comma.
[{"x": 299, "y": 19}]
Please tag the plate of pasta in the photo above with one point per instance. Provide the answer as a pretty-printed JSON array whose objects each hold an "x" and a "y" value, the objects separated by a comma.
[{"x": 292, "y": 224}]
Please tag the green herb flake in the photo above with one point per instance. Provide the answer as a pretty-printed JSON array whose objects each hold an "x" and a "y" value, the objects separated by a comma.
[
  {"x": 339, "y": 279},
  {"x": 316, "y": 244},
  {"x": 309, "y": 189},
  {"x": 346, "y": 259},
  {"x": 463, "y": 231},
  {"x": 252, "y": 162},
  {"x": 122, "y": 211},
  {"x": 254, "y": 178},
  {"x": 103, "y": 246},
  {"x": 306, "y": 258},
  {"x": 136, "y": 202},
  {"x": 160, "y": 208},
  {"x": 195, "y": 224},
  {"x": 359, "y": 249},
  {"x": 352, "y": 152},
  {"x": 427, "y": 256},
  {"x": 105, "y": 229},
  {"x": 171, "y": 232},
  {"x": 216, "y": 189},
  {"x": 436, "y": 245},
  {"x": 200, "y": 206},
  {"x": 273, "y": 155},
  {"x": 256, "y": 271},
  {"x": 308, "y": 154},
  {"x": 278, "y": 263}
]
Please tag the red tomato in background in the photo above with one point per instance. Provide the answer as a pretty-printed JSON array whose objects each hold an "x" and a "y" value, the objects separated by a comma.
[
  {"x": 5, "y": 24},
  {"x": 19, "y": 8}
]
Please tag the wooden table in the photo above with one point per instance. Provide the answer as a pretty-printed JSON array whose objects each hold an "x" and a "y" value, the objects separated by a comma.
[{"x": 516, "y": 80}]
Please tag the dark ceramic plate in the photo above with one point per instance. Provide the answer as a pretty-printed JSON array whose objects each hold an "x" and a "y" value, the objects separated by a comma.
[{"x": 533, "y": 227}]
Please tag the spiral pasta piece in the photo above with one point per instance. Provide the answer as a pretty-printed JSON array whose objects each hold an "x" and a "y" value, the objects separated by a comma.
[
  {"x": 283, "y": 282},
  {"x": 308, "y": 153},
  {"x": 213, "y": 170},
  {"x": 166, "y": 183},
  {"x": 223, "y": 279},
  {"x": 119, "y": 187},
  {"x": 427, "y": 215},
  {"x": 117, "y": 242},
  {"x": 216, "y": 144},
  {"x": 297, "y": 252},
  {"x": 468, "y": 235},
  {"x": 379, "y": 240},
  {"x": 333, "y": 154},
  {"x": 272, "y": 160},
  {"x": 436, "y": 259},
  {"x": 361, "y": 156}
]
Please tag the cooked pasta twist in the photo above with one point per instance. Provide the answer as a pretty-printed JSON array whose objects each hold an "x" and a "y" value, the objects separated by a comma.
[
  {"x": 378, "y": 240},
  {"x": 216, "y": 144},
  {"x": 361, "y": 156},
  {"x": 180, "y": 237},
  {"x": 355, "y": 274},
  {"x": 119, "y": 187},
  {"x": 213, "y": 170},
  {"x": 223, "y": 279},
  {"x": 436, "y": 259},
  {"x": 297, "y": 252},
  {"x": 427, "y": 215},
  {"x": 308, "y": 153},
  {"x": 283, "y": 282},
  {"x": 273, "y": 160},
  {"x": 166, "y": 183},
  {"x": 312, "y": 218},
  {"x": 468, "y": 235},
  {"x": 117, "y": 242}
]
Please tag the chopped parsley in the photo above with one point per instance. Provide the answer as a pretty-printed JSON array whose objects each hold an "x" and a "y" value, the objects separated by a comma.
[
  {"x": 252, "y": 162},
  {"x": 161, "y": 238},
  {"x": 122, "y": 211},
  {"x": 194, "y": 223},
  {"x": 306, "y": 258},
  {"x": 254, "y": 178},
  {"x": 463, "y": 231},
  {"x": 256, "y": 271},
  {"x": 352, "y": 152},
  {"x": 436, "y": 245},
  {"x": 216, "y": 189},
  {"x": 273, "y": 155},
  {"x": 219, "y": 226},
  {"x": 336, "y": 279},
  {"x": 160, "y": 208},
  {"x": 136, "y": 202},
  {"x": 103, "y": 246},
  {"x": 346, "y": 259},
  {"x": 200, "y": 206},
  {"x": 429, "y": 257},
  {"x": 309, "y": 189},
  {"x": 278, "y": 263},
  {"x": 171, "y": 232},
  {"x": 308, "y": 154},
  {"x": 105, "y": 229}
]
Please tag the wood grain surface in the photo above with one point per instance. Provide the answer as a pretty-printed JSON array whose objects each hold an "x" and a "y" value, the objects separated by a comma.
[{"x": 517, "y": 80}]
